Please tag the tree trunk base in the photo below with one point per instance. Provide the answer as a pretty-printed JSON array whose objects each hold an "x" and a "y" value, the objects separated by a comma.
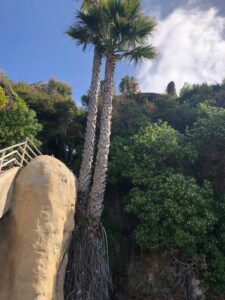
[{"x": 87, "y": 275}]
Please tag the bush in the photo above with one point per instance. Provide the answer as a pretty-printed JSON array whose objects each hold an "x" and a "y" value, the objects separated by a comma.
[
  {"x": 17, "y": 123},
  {"x": 3, "y": 99},
  {"x": 173, "y": 212}
]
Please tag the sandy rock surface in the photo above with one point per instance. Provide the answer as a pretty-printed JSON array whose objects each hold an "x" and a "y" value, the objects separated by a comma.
[{"x": 35, "y": 234}]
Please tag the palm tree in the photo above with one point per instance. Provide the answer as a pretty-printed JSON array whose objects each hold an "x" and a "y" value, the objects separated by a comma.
[
  {"x": 128, "y": 33},
  {"x": 80, "y": 281},
  {"x": 86, "y": 31},
  {"x": 129, "y": 85},
  {"x": 124, "y": 33}
]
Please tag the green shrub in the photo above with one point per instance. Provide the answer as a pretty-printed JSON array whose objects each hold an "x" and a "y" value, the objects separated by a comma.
[
  {"x": 173, "y": 212},
  {"x": 3, "y": 99},
  {"x": 17, "y": 123}
]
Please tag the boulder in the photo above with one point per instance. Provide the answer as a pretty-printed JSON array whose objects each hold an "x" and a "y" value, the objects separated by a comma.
[
  {"x": 7, "y": 180},
  {"x": 35, "y": 235}
]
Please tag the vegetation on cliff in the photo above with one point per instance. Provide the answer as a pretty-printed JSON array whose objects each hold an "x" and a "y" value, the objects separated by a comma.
[
  {"x": 166, "y": 157},
  {"x": 169, "y": 175},
  {"x": 167, "y": 169},
  {"x": 17, "y": 121}
]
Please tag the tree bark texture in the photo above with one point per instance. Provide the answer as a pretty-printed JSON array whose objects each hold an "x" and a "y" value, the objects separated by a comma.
[
  {"x": 88, "y": 152},
  {"x": 95, "y": 204}
]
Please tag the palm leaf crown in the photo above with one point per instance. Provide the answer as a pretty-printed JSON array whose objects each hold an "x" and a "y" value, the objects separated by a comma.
[{"x": 117, "y": 26}]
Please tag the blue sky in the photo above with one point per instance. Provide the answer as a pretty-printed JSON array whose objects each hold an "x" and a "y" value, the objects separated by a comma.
[
  {"x": 190, "y": 39},
  {"x": 34, "y": 46}
]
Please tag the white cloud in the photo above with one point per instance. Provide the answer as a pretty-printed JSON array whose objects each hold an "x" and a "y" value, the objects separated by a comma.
[{"x": 191, "y": 49}]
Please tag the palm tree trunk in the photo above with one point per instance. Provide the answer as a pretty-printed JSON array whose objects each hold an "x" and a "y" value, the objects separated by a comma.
[
  {"x": 88, "y": 152},
  {"x": 95, "y": 205}
]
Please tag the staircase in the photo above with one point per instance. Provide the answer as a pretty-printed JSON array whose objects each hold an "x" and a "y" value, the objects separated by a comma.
[{"x": 18, "y": 155}]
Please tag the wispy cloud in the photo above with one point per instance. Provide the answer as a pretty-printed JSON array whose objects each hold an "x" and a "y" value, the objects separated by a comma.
[{"x": 191, "y": 49}]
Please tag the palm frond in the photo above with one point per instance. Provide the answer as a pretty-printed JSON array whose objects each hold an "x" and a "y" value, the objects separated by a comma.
[
  {"x": 80, "y": 34},
  {"x": 113, "y": 8},
  {"x": 91, "y": 16},
  {"x": 139, "y": 54},
  {"x": 116, "y": 26},
  {"x": 132, "y": 9},
  {"x": 144, "y": 26}
]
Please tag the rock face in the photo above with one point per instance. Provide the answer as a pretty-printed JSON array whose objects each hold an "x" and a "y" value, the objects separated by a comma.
[
  {"x": 35, "y": 235},
  {"x": 7, "y": 180},
  {"x": 151, "y": 277}
]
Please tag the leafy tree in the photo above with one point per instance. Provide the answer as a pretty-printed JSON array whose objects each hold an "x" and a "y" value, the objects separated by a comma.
[
  {"x": 56, "y": 87},
  {"x": 128, "y": 116},
  {"x": 62, "y": 122},
  {"x": 208, "y": 136},
  {"x": 173, "y": 212},
  {"x": 17, "y": 121},
  {"x": 178, "y": 115},
  {"x": 196, "y": 94},
  {"x": 159, "y": 147}
]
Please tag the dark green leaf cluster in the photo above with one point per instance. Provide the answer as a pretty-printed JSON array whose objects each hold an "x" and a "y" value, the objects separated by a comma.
[
  {"x": 63, "y": 123},
  {"x": 174, "y": 212},
  {"x": 171, "y": 177},
  {"x": 173, "y": 209},
  {"x": 4, "y": 101},
  {"x": 17, "y": 121}
]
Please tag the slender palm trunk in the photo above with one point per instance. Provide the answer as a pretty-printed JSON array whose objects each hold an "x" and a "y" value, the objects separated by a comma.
[
  {"x": 86, "y": 256},
  {"x": 95, "y": 204},
  {"x": 88, "y": 152}
]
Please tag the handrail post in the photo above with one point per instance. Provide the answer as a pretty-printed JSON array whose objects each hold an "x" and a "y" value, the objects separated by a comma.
[
  {"x": 24, "y": 152},
  {"x": 2, "y": 159},
  {"x": 21, "y": 154}
]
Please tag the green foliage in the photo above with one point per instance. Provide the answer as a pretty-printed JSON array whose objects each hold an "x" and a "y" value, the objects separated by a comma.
[
  {"x": 159, "y": 147},
  {"x": 197, "y": 94},
  {"x": 167, "y": 166},
  {"x": 3, "y": 99},
  {"x": 174, "y": 208},
  {"x": 17, "y": 123},
  {"x": 210, "y": 125},
  {"x": 178, "y": 115},
  {"x": 62, "y": 122},
  {"x": 208, "y": 137},
  {"x": 56, "y": 87},
  {"x": 173, "y": 212},
  {"x": 129, "y": 85},
  {"x": 128, "y": 116}
]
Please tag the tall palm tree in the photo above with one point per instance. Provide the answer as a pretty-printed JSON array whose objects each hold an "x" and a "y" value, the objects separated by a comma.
[
  {"x": 129, "y": 32},
  {"x": 80, "y": 282},
  {"x": 87, "y": 31},
  {"x": 124, "y": 33}
]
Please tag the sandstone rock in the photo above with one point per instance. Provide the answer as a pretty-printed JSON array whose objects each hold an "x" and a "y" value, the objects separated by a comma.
[
  {"x": 34, "y": 238},
  {"x": 7, "y": 179}
]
